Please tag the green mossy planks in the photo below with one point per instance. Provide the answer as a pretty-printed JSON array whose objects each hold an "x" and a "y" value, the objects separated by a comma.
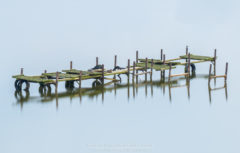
[
  {"x": 155, "y": 61},
  {"x": 198, "y": 57},
  {"x": 155, "y": 66},
  {"x": 36, "y": 79}
]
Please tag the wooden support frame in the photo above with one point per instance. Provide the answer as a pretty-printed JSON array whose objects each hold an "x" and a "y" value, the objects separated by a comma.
[
  {"x": 183, "y": 74},
  {"x": 217, "y": 76}
]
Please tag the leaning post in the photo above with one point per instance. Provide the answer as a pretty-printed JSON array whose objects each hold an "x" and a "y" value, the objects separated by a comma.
[
  {"x": 209, "y": 77},
  {"x": 226, "y": 72},
  {"x": 189, "y": 63},
  {"x": 170, "y": 71},
  {"x": 128, "y": 68}
]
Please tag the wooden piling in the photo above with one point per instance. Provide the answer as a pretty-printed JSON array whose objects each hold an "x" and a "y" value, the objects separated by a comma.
[
  {"x": 128, "y": 68},
  {"x": 45, "y": 71},
  {"x": 56, "y": 82},
  {"x": 80, "y": 80},
  {"x": 96, "y": 61},
  {"x": 161, "y": 54},
  {"x": 151, "y": 68},
  {"x": 115, "y": 61},
  {"x": 136, "y": 63},
  {"x": 134, "y": 69},
  {"x": 146, "y": 66},
  {"x": 21, "y": 71},
  {"x": 137, "y": 56},
  {"x": 226, "y": 72},
  {"x": 215, "y": 59},
  {"x": 210, "y": 71},
  {"x": 170, "y": 71},
  {"x": 70, "y": 65},
  {"x": 115, "y": 64},
  {"x": 189, "y": 63},
  {"x": 186, "y": 52},
  {"x": 103, "y": 74}
]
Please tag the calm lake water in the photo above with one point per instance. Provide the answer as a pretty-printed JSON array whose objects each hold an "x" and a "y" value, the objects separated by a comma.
[{"x": 144, "y": 117}]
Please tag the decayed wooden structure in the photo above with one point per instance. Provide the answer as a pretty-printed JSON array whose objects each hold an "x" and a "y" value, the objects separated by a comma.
[{"x": 140, "y": 67}]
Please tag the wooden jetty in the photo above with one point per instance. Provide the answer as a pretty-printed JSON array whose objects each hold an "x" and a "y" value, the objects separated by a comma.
[{"x": 99, "y": 73}]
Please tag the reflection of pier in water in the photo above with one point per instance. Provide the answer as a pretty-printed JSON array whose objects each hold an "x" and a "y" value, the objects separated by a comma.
[{"x": 24, "y": 96}]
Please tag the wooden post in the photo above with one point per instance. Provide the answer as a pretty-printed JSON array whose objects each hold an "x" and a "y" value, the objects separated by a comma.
[
  {"x": 134, "y": 68},
  {"x": 189, "y": 63},
  {"x": 161, "y": 54},
  {"x": 151, "y": 68},
  {"x": 164, "y": 58},
  {"x": 96, "y": 61},
  {"x": 210, "y": 71},
  {"x": 21, "y": 71},
  {"x": 115, "y": 61},
  {"x": 115, "y": 64},
  {"x": 103, "y": 74},
  {"x": 137, "y": 56},
  {"x": 226, "y": 72},
  {"x": 170, "y": 70},
  {"x": 136, "y": 63},
  {"x": 215, "y": 58},
  {"x": 186, "y": 52},
  {"x": 56, "y": 82},
  {"x": 128, "y": 68},
  {"x": 80, "y": 80},
  {"x": 70, "y": 65},
  {"x": 45, "y": 71},
  {"x": 146, "y": 66}
]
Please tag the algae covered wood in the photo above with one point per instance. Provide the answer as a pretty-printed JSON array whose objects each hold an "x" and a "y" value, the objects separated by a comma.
[
  {"x": 155, "y": 66},
  {"x": 198, "y": 57},
  {"x": 156, "y": 61}
]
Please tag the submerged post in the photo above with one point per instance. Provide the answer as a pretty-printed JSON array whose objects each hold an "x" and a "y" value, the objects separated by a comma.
[
  {"x": 210, "y": 71},
  {"x": 80, "y": 80},
  {"x": 96, "y": 61},
  {"x": 102, "y": 74},
  {"x": 21, "y": 71},
  {"x": 70, "y": 65},
  {"x": 226, "y": 72}
]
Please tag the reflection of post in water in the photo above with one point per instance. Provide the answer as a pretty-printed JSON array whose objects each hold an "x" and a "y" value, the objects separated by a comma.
[
  {"x": 133, "y": 85},
  {"x": 170, "y": 93},
  {"x": 145, "y": 88},
  {"x": 151, "y": 88},
  {"x": 188, "y": 86},
  {"x": 128, "y": 89},
  {"x": 22, "y": 97},
  {"x": 102, "y": 93},
  {"x": 215, "y": 89}
]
